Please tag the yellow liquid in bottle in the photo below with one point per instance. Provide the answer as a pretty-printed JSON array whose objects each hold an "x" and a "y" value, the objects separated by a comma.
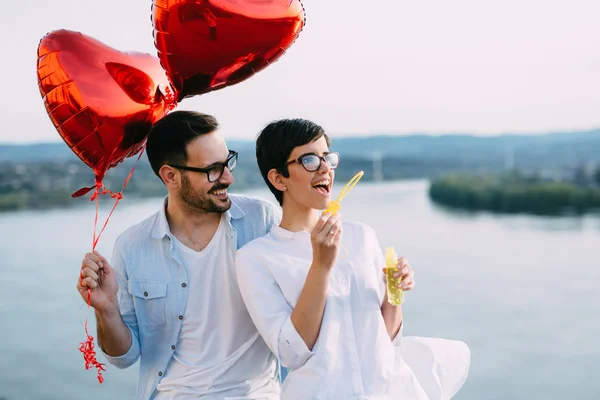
[{"x": 395, "y": 295}]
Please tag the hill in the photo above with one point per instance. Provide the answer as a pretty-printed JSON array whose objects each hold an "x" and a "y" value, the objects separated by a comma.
[
  {"x": 522, "y": 151},
  {"x": 43, "y": 175}
]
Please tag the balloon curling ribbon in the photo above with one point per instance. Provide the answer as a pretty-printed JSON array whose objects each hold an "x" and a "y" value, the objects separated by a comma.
[{"x": 87, "y": 347}]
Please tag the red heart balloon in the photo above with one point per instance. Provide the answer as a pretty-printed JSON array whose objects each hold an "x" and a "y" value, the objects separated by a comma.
[
  {"x": 103, "y": 102},
  {"x": 205, "y": 45}
]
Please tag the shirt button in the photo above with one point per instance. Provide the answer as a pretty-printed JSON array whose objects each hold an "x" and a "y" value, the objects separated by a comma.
[
  {"x": 181, "y": 317},
  {"x": 145, "y": 294},
  {"x": 173, "y": 347},
  {"x": 183, "y": 284},
  {"x": 159, "y": 373}
]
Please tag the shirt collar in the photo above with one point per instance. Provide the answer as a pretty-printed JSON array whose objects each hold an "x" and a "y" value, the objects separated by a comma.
[
  {"x": 161, "y": 228},
  {"x": 235, "y": 212},
  {"x": 281, "y": 233}
]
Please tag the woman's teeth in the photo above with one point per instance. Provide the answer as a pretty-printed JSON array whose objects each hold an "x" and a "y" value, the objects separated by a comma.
[{"x": 322, "y": 186}]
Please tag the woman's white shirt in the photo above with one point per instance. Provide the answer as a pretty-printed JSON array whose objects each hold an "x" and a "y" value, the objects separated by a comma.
[{"x": 353, "y": 357}]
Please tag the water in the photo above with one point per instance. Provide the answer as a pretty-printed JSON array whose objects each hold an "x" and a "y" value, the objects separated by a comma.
[{"x": 520, "y": 290}]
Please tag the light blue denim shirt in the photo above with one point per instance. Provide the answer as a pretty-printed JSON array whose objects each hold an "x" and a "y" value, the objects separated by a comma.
[{"x": 147, "y": 268}]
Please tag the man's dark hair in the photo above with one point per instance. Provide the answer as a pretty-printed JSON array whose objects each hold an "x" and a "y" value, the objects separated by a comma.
[
  {"x": 169, "y": 137},
  {"x": 276, "y": 142}
]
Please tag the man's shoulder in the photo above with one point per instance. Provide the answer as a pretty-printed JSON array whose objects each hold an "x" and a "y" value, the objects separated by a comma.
[
  {"x": 139, "y": 232},
  {"x": 253, "y": 209},
  {"x": 252, "y": 217},
  {"x": 249, "y": 203}
]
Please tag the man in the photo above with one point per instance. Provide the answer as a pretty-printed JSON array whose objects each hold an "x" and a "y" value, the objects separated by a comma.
[{"x": 171, "y": 297}]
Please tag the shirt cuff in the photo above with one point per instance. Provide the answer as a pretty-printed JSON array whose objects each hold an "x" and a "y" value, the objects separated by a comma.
[
  {"x": 127, "y": 359},
  {"x": 398, "y": 339},
  {"x": 293, "y": 352}
]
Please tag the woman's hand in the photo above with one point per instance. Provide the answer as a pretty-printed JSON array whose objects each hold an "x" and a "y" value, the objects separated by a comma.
[
  {"x": 325, "y": 238},
  {"x": 405, "y": 272},
  {"x": 392, "y": 314}
]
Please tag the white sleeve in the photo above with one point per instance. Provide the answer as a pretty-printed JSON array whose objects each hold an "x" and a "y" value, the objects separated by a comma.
[{"x": 269, "y": 310}]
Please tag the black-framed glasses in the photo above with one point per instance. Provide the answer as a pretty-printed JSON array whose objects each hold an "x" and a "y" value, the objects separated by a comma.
[
  {"x": 215, "y": 171},
  {"x": 312, "y": 162}
]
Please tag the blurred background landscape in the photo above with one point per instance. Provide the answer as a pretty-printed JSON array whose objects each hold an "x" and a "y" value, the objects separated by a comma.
[
  {"x": 477, "y": 124},
  {"x": 550, "y": 174}
]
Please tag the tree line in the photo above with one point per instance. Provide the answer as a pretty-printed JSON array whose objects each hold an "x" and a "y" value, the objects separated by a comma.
[{"x": 514, "y": 193}]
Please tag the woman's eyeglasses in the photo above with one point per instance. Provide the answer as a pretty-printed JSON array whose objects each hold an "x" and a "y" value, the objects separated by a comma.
[
  {"x": 215, "y": 171},
  {"x": 312, "y": 162}
]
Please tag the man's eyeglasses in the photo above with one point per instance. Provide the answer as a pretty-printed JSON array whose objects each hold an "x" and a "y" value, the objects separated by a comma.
[
  {"x": 215, "y": 171},
  {"x": 312, "y": 162}
]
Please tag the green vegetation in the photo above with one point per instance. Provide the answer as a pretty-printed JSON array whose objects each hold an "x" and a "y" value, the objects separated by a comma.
[
  {"x": 37, "y": 200},
  {"x": 557, "y": 172},
  {"x": 515, "y": 194}
]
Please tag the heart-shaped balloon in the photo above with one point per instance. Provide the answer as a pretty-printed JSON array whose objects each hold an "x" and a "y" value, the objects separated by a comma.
[
  {"x": 205, "y": 45},
  {"x": 103, "y": 102}
]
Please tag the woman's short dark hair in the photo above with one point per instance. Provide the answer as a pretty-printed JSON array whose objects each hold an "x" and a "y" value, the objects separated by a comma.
[
  {"x": 169, "y": 137},
  {"x": 276, "y": 142}
]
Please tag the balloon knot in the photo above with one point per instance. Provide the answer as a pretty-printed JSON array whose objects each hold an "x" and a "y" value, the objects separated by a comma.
[
  {"x": 101, "y": 190},
  {"x": 211, "y": 19},
  {"x": 170, "y": 100}
]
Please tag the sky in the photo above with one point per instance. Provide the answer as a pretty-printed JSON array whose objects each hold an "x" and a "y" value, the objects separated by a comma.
[{"x": 484, "y": 67}]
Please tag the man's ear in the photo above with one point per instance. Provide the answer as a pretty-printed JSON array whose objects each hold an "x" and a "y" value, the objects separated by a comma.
[
  {"x": 277, "y": 180},
  {"x": 170, "y": 176}
]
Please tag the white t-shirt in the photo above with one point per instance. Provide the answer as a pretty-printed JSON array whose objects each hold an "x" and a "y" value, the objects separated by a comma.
[{"x": 214, "y": 345}]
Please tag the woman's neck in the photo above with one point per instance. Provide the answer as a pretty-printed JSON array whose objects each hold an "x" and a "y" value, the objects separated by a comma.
[{"x": 296, "y": 218}]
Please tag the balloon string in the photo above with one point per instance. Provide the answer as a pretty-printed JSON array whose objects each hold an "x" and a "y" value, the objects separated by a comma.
[{"x": 87, "y": 347}]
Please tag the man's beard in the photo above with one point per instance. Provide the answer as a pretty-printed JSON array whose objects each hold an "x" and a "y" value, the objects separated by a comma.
[{"x": 197, "y": 201}]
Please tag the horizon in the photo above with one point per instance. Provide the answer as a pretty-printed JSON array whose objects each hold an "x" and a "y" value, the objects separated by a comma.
[
  {"x": 523, "y": 66},
  {"x": 59, "y": 140}
]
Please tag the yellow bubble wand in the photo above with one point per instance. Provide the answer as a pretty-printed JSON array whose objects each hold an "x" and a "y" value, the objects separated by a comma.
[{"x": 335, "y": 206}]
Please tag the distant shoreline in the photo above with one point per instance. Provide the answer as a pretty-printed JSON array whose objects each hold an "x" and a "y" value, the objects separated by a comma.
[
  {"x": 43, "y": 176},
  {"x": 454, "y": 192},
  {"x": 515, "y": 195}
]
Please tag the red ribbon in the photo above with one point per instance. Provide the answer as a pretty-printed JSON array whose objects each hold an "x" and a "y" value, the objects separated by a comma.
[{"x": 87, "y": 347}]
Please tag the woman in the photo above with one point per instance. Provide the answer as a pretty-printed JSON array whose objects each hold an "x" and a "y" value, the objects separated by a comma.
[{"x": 315, "y": 290}]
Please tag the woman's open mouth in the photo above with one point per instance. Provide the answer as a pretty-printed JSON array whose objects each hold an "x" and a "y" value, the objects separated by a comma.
[{"x": 323, "y": 187}]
